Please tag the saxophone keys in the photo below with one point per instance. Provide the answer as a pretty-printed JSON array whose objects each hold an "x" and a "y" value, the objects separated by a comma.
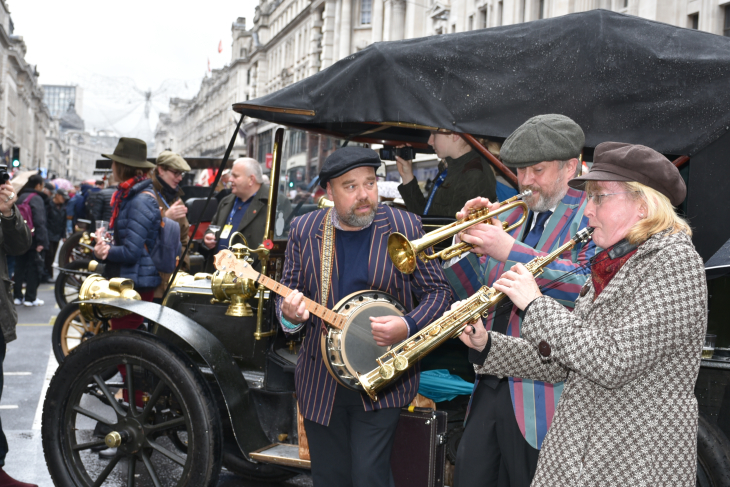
[
  {"x": 400, "y": 363},
  {"x": 387, "y": 371},
  {"x": 435, "y": 331}
]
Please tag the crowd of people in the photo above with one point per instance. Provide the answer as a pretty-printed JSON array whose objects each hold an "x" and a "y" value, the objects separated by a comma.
[{"x": 567, "y": 374}]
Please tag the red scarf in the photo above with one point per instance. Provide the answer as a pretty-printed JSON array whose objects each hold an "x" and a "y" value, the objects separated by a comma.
[
  {"x": 603, "y": 271},
  {"x": 121, "y": 193}
]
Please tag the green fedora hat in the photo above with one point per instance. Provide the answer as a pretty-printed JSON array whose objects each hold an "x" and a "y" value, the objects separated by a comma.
[{"x": 131, "y": 152}]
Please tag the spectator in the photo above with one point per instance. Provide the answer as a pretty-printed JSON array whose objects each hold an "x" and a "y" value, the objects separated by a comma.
[
  {"x": 171, "y": 169},
  {"x": 76, "y": 207},
  {"x": 29, "y": 265},
  {"x": 56, "y": 213},
  {"x": 135, "y": 222},
  {"x": 463, "y": 174},
  {"x": 15, "y": 239}
]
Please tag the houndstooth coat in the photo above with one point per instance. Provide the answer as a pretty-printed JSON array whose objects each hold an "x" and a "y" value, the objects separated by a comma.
[{"x": 628, "y": 414}]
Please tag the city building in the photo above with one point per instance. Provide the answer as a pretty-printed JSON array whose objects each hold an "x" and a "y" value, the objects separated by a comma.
[
  {"x": 292, "y": 39},
  {"x": 58, "y": 98},
  {"x": 83, "y": 149},
  {"x": 24, "y": 119}
]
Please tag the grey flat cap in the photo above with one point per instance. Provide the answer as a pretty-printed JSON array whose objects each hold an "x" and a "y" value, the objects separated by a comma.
[{"x": 549, "y": 137}]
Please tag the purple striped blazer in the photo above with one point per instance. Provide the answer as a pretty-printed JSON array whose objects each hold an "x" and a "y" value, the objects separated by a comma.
[{"x": 315, "y": 387}]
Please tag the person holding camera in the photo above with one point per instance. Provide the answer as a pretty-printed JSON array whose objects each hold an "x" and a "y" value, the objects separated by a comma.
[
  {"x": 463, "y": 174},
  {"x": 15, "y": 239}
]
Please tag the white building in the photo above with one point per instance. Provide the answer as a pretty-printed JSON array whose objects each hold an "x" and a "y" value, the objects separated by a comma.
[
  {"x": 24, "y": 118},
  {"x": 292, "y": 39}
]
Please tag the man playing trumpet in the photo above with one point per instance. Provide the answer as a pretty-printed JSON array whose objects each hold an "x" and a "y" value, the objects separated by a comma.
[{"x": 509, "y": 417}]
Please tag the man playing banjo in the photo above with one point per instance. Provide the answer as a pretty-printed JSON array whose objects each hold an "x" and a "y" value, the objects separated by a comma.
[{"x": 331, "y": 254}]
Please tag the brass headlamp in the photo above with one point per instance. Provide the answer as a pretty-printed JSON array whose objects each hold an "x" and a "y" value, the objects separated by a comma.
[
  {"x": 227, "y": 287},
  {"x": 96, "y": 287}
]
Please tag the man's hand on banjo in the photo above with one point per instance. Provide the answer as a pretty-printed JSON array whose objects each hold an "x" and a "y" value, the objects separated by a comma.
[
  {"x": 294, "y": 309},
  {"x": 388, "y": 330}
]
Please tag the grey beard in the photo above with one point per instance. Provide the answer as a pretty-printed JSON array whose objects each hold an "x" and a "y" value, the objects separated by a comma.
[
  {"x": 353, "y": 220},
  {"x": 545, "y": 203}
]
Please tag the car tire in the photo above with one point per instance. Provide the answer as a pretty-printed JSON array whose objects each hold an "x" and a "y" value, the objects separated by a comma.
[{"x": 67, "y": 282}]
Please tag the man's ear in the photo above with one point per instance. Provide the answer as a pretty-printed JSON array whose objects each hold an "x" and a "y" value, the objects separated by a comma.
[{"x": 329, "y": 192}]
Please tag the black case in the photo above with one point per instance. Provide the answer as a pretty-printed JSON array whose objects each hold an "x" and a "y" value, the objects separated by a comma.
[{"x": 419, "y": 451}]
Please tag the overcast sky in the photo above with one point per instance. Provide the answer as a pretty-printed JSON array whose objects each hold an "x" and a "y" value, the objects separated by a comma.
[{"x": 111, "y": 48}]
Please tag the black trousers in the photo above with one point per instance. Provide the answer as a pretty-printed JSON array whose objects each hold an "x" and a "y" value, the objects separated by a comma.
[
  {"x": 27, "y": 270},
  {"x": 3, "y": 440},
  {"x": 492, "y": 451},
  {"x": 50, "y": 258},
  {"x": 354, "y": 450}
]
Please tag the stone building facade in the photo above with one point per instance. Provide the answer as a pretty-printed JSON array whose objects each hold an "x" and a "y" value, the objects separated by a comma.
[
  {"x": 24, "y": 118},
  {"x": 292, "y": 39}
]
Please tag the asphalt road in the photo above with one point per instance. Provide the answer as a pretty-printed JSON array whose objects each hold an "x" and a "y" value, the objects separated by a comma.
[{"x": 29, "y": 365}]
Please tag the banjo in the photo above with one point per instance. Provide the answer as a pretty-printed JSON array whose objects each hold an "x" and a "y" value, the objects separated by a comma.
[{"x": 348, "y": 347}]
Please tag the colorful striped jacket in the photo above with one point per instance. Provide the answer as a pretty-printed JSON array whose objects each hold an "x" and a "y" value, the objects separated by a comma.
[
  {"x": 534, "y": 401},
  {"x": 314, "y": 385}
]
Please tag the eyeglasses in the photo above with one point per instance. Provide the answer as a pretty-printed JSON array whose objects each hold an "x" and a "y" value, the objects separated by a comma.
[
  {"x": 598, "y": 198},
  {"x": 176, "y": 172}
]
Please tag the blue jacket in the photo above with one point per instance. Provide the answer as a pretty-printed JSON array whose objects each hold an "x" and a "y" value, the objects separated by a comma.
[{"x": 137, "y": 225}]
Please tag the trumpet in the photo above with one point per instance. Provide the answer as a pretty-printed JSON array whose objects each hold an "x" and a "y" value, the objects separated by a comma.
[
  {"x": 403, "y": 253},
  {"x": 404, "y": 355}
]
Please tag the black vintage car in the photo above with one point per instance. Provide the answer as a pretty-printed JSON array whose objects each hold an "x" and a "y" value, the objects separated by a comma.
[{"x": 212, "y": 379}]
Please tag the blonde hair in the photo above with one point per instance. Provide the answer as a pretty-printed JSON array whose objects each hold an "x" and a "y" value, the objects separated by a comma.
[{"x": 660, "y": 214}]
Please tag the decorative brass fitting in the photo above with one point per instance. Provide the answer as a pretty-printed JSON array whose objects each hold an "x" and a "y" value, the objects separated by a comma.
[
  {"x": 96, "y": 287},
  {"x": 227, "y": 287}
]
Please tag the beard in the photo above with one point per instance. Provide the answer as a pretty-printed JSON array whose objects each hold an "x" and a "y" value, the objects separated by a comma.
[
  {"x": 543, "y": 198},
  {"x": 359, "y": 221}
]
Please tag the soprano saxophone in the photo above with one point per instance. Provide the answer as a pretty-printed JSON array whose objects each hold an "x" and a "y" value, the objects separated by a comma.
[{"x": 404, "y": 355}]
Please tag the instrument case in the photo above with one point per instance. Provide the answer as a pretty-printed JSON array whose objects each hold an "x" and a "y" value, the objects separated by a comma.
[{"x": 419, "y": 451}]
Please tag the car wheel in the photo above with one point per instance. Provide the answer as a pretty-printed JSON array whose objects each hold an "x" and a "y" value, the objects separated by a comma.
[
  {"x": 68, "y": 284},
  {"x": 161, "y": 390}
]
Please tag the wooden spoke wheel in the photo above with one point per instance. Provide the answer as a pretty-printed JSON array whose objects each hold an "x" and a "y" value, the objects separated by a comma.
[{"x": 71, "y": 329}]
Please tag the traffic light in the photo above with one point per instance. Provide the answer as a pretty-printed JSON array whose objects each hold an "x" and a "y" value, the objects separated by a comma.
[{"x": 16, "y": 156}]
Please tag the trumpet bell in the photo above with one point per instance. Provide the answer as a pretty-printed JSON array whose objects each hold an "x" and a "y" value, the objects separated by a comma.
[{"x": 402, "y": 253}]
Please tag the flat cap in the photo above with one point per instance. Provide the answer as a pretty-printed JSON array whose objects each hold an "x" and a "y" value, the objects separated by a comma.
[
  {"x": 617, "y": 161},
  {"x": 550, "y": 137},
  {"x": 346, "y": 159},
  {"x": 172, "y": 161}
]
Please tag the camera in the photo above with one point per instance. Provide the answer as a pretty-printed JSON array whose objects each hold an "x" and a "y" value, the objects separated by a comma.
[
  {"x": 389, "y": 152},
  {"x": 4, "y": 176}
]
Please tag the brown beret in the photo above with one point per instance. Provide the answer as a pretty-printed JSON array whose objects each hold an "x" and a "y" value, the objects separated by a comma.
[{"x": 617, "y": 161}]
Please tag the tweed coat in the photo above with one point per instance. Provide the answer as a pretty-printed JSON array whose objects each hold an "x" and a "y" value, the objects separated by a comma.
[
  {"x": 315, "y": 387},
  {"x": 534, "y": 401},
  {"x": 629, "y": 361}
]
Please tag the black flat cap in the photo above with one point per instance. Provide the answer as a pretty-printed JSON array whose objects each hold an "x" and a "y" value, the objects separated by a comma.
[
  {"x": 347, "y": 159},
  {"x": 550, "y": 137},
  {"x": 617, "y": 161}
]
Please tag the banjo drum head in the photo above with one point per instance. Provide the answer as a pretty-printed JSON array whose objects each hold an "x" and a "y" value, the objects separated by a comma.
[{"x": 359, "y": 350}]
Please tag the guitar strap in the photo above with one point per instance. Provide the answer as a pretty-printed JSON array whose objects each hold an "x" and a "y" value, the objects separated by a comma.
[{"x": 326, "y": 259}]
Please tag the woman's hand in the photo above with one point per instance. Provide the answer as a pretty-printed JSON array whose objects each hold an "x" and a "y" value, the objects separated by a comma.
[
  {"x": 474, "y": 335},
  {"x": 101, "y": 249},
  {"x": 519, "y": 285}
]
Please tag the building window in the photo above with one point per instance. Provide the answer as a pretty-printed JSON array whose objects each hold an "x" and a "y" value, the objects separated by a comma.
[
  {"x": 541, "y": 10},
  {"x": 693, "y": 22},
  {"x": 483, "y": 18},
  {"x": 626, "y": 3},
  {"x": 366, "y": 10},
  {"x": 726, "y": 30},
  {"x": 471, "y": 22},
  {"x": 500, "y": 13}
]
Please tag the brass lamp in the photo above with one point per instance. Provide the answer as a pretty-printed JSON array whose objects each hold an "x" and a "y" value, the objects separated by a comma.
[
  {"x": 96, "y": 287},
  {"x": 227, "y": 287}
]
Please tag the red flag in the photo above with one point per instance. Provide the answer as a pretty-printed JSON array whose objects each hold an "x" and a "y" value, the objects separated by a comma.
[
  {"x": 209, "y": 65},
  {"x": 220, "y": 46}
]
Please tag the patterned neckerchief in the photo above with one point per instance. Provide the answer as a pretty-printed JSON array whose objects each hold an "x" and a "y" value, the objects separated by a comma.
[
  {"x": 121, "y": 193},
  {"x": 604, "y": 269}
]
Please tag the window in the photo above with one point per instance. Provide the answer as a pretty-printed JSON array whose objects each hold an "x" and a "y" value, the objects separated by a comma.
[
  {"x": 626, "y": 3},
  {"x": 471, "y": 22},
  {"x": 726, "y": 29},
  {"x": 500, "y": 12},
  {"x": 366, "y": 9},
  {"x": 693, "y": 21},
  {"x": 483, "y": 18},
  {"x": 248, "y": 77},
  {"x": 541, "y": 10}
]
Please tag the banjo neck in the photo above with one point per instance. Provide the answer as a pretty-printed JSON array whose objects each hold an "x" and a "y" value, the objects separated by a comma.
[{"x": 225, "y": 261}]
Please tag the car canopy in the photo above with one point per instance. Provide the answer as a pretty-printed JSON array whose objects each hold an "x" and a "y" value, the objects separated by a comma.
[{"x": 620, "y": 77}]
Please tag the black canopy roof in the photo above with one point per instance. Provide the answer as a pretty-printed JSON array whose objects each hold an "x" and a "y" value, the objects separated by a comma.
[{"x": 620, "y": 77}]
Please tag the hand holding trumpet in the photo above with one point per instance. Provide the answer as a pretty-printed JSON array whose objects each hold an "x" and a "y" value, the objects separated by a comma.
[{"x": 490, "y": 240}]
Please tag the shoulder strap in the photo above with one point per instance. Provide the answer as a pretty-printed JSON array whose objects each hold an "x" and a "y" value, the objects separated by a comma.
[
  {"x": 327, "y": 256},
  {"x": 162, "y": 212}
]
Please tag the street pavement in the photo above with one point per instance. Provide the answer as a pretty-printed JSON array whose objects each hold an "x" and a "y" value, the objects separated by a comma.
[{"x": 28, "y": 367}]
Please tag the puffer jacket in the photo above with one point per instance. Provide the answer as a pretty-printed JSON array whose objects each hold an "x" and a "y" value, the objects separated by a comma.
[
  {"x": 136, "y": 226},
  {"x": 100, "y": 206}
]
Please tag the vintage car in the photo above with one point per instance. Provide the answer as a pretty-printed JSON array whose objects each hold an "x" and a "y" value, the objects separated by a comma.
[{"x": 211, "y": 382}]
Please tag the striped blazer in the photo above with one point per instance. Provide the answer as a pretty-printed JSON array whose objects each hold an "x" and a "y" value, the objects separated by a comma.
[
  {"x": 315, "y": 387},
  {"x": 534, "y": 401}
]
